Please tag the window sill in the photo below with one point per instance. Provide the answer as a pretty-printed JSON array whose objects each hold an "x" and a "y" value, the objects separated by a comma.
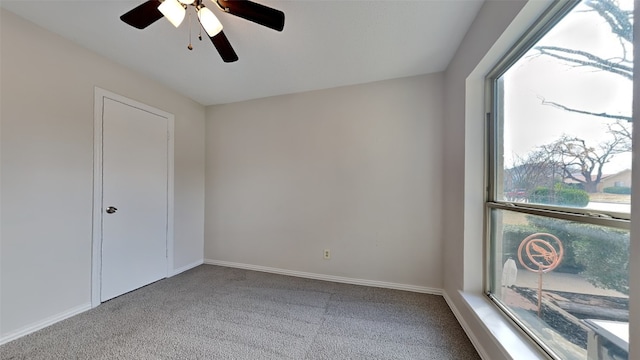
[{"x": 510, "y": 340}]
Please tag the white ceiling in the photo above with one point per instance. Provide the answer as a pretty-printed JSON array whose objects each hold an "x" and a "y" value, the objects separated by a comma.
[{"x": 324, "y": 43}]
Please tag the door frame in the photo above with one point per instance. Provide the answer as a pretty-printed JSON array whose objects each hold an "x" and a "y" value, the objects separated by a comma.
[{"x": 96, "y": 263}]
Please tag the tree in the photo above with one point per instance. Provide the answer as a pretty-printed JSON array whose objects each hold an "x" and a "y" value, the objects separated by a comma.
[
  {"x": 575, "y": 158},
  {"x": 583, "y": 163},
  {"x": 621, "y": 24},
  {"x": 536, "y": 169},
  {"x": 565, "y": 158}
]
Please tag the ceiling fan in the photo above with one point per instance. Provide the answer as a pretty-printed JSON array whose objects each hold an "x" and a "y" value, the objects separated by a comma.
[{"x": 151, "y": 11}]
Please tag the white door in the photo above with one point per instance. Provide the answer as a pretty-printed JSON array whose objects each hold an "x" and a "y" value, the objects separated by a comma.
[{"x": 134, "y": 198}]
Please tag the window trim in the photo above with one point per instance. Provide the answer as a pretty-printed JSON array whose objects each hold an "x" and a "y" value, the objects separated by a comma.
[
  {"x": 547, "y": 211},
  {"x": 549, "y": 19}
]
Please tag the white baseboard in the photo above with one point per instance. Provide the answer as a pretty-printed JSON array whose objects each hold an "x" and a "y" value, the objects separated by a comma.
[
  {"x": 186, "y": 267},
  {"x": 339, "y": 279},
  {"x": 44, "y": 323},
  {"x": 467, "y": 329}
]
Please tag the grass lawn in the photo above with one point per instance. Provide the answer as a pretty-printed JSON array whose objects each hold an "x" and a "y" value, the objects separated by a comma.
[{"x": 610, "y": 198}]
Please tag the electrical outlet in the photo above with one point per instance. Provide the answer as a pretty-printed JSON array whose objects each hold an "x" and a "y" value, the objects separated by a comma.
[{"x": 327, "y": 254}]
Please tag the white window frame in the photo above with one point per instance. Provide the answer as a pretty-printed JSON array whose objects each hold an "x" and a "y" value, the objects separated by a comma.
[{"x": 556, "y": 12}]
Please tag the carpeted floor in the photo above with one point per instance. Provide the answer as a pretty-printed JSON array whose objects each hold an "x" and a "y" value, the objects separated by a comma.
[{"x": 213, "y": 312}]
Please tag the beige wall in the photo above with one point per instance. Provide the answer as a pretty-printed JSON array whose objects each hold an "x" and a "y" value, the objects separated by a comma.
[
  {"x": 464, "y": 142},
  {"x": 463, "y": 172},
  {"x": 354, "y": 169},
  {"x": 47, "y": 92}
]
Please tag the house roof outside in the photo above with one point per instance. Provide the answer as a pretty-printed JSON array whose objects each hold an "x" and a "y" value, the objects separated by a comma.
[{"x": 581, "y": 177}]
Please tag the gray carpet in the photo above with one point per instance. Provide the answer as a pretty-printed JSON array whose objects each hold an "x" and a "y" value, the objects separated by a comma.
[{"x": 213, "y": 312}]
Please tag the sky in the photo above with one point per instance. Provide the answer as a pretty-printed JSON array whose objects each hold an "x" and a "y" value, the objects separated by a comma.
[{"x": 530, "y": 124}]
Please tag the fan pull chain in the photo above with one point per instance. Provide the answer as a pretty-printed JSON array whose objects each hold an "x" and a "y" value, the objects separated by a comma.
[
  {"x": 190, "y": 47},
  {"x": 199, "y": 23}
]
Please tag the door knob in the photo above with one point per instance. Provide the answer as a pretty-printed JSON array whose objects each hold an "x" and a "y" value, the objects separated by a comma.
[{"x": 111, "y": 210}]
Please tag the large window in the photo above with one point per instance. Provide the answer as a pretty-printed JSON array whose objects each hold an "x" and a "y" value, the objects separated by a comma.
[{"x": 559, "y": 176}]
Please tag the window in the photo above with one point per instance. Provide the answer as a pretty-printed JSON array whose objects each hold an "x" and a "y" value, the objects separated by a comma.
[{"x": 559, "y": 157}]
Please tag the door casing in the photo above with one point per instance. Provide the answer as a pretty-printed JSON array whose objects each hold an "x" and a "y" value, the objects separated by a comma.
[{"x": 96, "y": 263}]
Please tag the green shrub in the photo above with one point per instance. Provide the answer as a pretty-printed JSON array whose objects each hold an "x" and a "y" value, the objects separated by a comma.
[
  {"x": 617, "y": 190},
  {"x": 599, "y": 254},
  {"x": 604, "y": 253},
  {"x": 560, "y": 195}
]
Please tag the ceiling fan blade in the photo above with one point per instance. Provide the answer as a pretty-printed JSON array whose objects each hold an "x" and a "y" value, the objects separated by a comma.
[
  {"x": 143, "y": 15},
  {"x": 224, "y": 48},
  {"x": 255, "y": 12}
]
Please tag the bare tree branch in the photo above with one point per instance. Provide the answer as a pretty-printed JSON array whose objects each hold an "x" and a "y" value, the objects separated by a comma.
[
  {"x": 621, "y": 25},
  {"x": 527, "y": 173},
  {"x": 571, "y": 158},
  {"x": 619, "y": 20},
  {"x": 620, "y": 130},
  {"x": 577, "y": 158},
  {"x": 583, "y": 58},
  {"x": 602, "y": 114}
]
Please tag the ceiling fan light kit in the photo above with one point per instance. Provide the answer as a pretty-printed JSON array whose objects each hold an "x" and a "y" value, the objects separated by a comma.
[
  {"x": 209, "y": 22},
  {"x": 151, "y": 11},
  {"x": 173, "y": 11}
]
